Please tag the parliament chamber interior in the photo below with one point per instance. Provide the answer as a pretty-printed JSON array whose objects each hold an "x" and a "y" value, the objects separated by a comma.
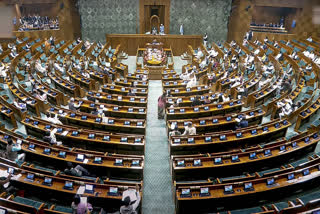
[{"x": 159, "y": 106}]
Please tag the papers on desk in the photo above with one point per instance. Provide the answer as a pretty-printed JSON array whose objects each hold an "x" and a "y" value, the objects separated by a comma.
[
  {"x": 85, "y": 160},
  {"x": 24, "y": 99},
  {"x": 64, "y": 133},
  {"x": 81, "y": 190},
  {"x": 4, "y": 173},
  {"x": 16, "y": 177}
]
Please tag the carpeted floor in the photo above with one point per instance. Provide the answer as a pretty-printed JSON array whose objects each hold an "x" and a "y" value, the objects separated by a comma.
[{"x": 157, "y": 193}]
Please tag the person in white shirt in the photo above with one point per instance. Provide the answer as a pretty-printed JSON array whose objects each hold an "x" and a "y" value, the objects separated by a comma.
[
  {"x": 58, "y": 67},
  {"x": 205, "y": 40},
  {"x": 293, "y": 55},
  {"x": 130, "y": 200},
  {"x": 285, "y": 111},
  {"x": 189, "y": 130},
  {"x": 1, "y": 50},
  {"x": 40, "y": 68},
  {"x": 41, "y": 96},
  {"x": 257, "y": 51},
  {"x": 279, "y": 57},
  {"x": 184, "y": 76},
  {"x": 311, "y": 56},
  {"x": 249, "y": 59},
  {"x": 263, "y": 83},
  {"x": 225, "y": 98},
  {"x": 236, "y": 83},
  {"x": 309, "y": 67},
  {"x": 213, "y": 53},
  {"x": 192, "y": 82},
  {"x": 53, "y": 139},
  {"x": 199, "y": 54},
  {"x": 54, "y": 120},
  {"x": 20, "y": 105},
  {"x": 204, "y": 62},
  {"x": 306, "y": 53},
  {"x": 317, "y": 60},
  {"x": 85, "y": 74},
  {"x": 3, "y": 70},
  {"x": 268, "y": 69}
]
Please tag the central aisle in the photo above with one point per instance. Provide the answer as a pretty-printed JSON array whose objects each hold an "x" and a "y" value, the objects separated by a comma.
[{"x": 157, "y": 193}]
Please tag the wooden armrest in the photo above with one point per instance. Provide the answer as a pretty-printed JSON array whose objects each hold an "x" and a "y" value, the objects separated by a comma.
[
  {"x": 3, "y": 195},
  {"x": 42, "y": 206},
  {"x": 291, "y": 204},
  {"x": 274, "y": 207},
  {"x": 257, "y": 174},
  {"x": 298, "y": 200},
  {"x": 218, "y": 181},
  {"x": 10, "y": 197}
]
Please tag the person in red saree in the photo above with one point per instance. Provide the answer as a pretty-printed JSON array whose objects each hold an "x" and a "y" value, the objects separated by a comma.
[{"x": 161, "y": 106}]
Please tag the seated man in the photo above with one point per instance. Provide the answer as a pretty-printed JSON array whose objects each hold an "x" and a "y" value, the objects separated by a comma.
[
  {"x": 3, "y": 70},
  {"x": 199, "y": 53},
  {"x": 257, "y": 51},
  {"x": 213, "y": 53},
  {"x": 52, "y": 138},
  {"x": 76, "y": 171},
  {"x": 73, "y": 106},
  {"x": 196, "y": 101},
  {"x": 190, "y": 130},
  {"x": 175, "y": 132},
  {"x": 53, "y": 119},
  {"x": 130, "y": 201},
  {"x": 40, "y": 68},
  {"x": 242, "y": 123},
  {"x": 192, "y": 82},
  {"x": 279, "y": 57},
  {"x": 20, "y": 105},
  {"x": 294, "y": 55},
  {"x": 309, "y": 67},
  {"x": 12, "y": 151},
  {"x": 58, "y": 67},
  {"x": 268, "y": 70}
]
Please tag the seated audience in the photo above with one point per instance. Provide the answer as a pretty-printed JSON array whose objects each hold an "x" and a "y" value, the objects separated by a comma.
[
  {"x": 190, "y": 130},
  {"x": 175, "y": 132},
  {"x": 73, "y": 106},
  {"x": 130, "y": 201},
  {"x": 76, "y": 171},
  {"x": 80, "y": 207},
  {"x": 13, "y": 149}
]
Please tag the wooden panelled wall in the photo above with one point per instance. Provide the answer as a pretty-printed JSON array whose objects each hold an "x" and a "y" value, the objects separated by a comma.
[
  {"x": 145, "y": 4},
  {"x": 68, "y": 18},
  {"x": 130, "y": 42},
  {"x": 240, "y": 18}
]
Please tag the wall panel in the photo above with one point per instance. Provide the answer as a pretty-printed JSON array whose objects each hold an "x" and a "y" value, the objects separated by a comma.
[
  {"x": 99, "y": 17},
  {"x": 200, "y": 17}
]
